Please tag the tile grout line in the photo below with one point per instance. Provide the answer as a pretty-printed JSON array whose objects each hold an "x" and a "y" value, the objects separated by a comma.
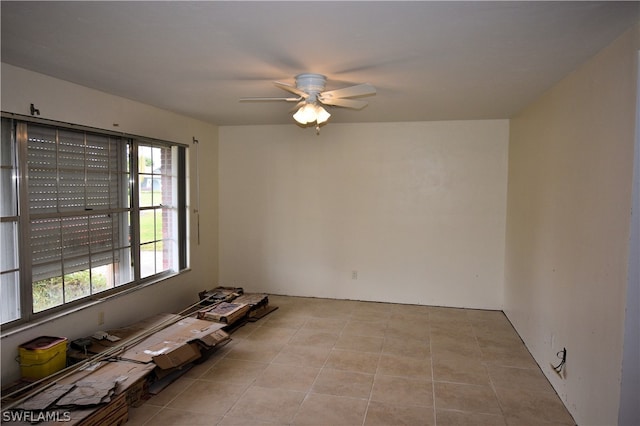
[
  {"x": 433, "y": 377},
  {"x": 308, "y": 392},
  {"x": 366, "y": 411},
  {"x": 486, "y": 367},
  {"x": 279, "y": 352},
  {"x": 224, "y": 416}
]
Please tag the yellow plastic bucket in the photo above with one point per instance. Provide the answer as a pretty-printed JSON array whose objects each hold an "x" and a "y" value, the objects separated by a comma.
[{"x": 42, "y": 356}]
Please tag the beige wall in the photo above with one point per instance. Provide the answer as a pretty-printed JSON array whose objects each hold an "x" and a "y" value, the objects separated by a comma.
[
  {"x": 62, "y": 101},
  {"x": 569, "y": 198},
  {"x": 417, "y": 209}
]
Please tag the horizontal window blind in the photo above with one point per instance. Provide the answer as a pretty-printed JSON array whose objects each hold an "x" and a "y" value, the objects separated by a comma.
[
  {"x": 79, "y": 242},
  {"x": 78, "y": 188},
  {"x": 70, "y": 171}
]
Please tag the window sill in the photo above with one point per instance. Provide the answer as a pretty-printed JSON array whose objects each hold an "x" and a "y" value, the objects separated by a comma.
[{"x": 20, "y": 328}]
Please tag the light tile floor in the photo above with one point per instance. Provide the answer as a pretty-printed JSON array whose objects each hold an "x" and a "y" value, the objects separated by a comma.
[{"x": 336, "y": 362}]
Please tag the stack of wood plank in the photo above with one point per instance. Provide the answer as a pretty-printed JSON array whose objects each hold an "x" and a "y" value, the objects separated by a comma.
[
  {"x": 231, "y": 305},
  {"x": 225, "y": 312},
  {"x": 219, "y": 294},
  {"x": 100, "y": 393}
]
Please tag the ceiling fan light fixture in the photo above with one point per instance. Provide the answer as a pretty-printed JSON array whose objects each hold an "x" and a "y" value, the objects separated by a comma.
[
  {"x": 322, "y": 115},
  {"x": 305, "y": 114},
  {"x": 311, "y": 96},
  {"x": 309, "y": 113}
]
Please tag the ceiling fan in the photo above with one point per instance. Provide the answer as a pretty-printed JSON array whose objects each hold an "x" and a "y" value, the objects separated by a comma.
[{"x": 311, "y": 97}]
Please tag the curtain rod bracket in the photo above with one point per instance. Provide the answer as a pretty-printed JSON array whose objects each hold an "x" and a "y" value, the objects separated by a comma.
[{"x": 34, "y": 111}]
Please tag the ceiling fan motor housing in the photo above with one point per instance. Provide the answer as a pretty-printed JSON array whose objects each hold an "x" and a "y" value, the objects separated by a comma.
[{"x": 313, "y": 84}]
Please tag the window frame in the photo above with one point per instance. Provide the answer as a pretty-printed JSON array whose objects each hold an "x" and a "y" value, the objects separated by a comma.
[
  {"x": 12, "y": 217},
  {"x": 20, "y": 123}
]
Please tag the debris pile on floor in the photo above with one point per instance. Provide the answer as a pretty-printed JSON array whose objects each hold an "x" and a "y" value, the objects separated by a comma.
[
  {"x": 219, "y": 294},
  {"x": 231, "y": 305},
  {"x": 123, "y": 367}
]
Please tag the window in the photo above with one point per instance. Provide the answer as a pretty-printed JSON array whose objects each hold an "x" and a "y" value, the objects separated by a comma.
[
  {"x": 157, "y": 176},
  {"x": 10, "y": 307},
  {"x": 72, "y": 213}
]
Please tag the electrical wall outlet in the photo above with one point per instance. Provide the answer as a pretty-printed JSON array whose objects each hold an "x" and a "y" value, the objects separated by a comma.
[
  {"x": 354, "y": 275},
  {"x": 100, "y": 317}
]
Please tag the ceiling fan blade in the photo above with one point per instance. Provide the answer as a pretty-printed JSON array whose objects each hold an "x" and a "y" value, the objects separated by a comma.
[
  {"x": 270, "y": 99},
  {"x": 349, "y": 92},
  {"x": 291, "y": 88},
  {"x": 346, "y": 103}
]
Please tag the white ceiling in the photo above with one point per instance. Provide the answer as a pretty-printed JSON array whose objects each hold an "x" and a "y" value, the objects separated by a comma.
[{"x": 428, "y": 60}]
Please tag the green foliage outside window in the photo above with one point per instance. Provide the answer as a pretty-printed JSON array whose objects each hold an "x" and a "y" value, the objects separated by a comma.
[
  {"x": 49, "y": 292},
  {"x": 147, "y": 225}
]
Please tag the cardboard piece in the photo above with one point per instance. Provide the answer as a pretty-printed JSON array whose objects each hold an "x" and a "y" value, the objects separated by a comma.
[
  {"x": 226, "y": 312},
  {"x": 115, "y": 413},
  {"x": 217, "y": 338},
  {"x": 253, "y": 299},
  {"x": 165, "y": 377},
  {"x": 104, "y": 389},
  {"x": 89, "y": 393},
  {"x": 230, "y": 309},
  {"x": 126, "y": 374},
  {"x": 179, "y": 356},
  {"x": 170, "y": 347},
  {"x": 131, "y": 331},
  {"x": 45, "y": 398}
]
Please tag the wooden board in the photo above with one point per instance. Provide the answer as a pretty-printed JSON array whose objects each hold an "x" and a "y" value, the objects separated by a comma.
[{"x": 225, "y": 312}]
